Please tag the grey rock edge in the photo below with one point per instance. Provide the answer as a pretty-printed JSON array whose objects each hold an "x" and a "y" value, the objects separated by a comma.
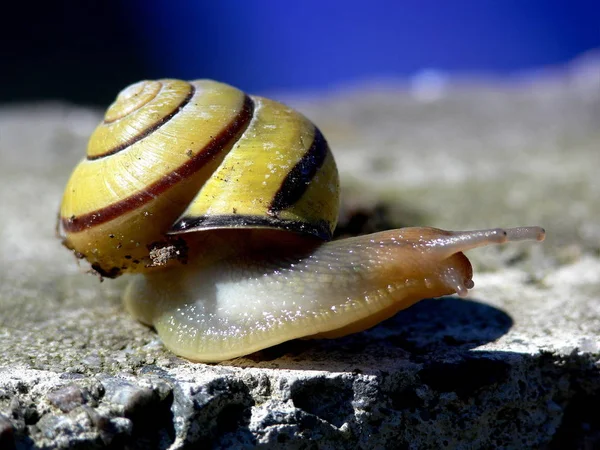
[{"x": 516, "y": 365}]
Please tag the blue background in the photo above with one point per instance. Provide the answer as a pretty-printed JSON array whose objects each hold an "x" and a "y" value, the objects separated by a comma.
[
  {"x": 85, "y": 51},
  {"x": 262, "y": 45}
]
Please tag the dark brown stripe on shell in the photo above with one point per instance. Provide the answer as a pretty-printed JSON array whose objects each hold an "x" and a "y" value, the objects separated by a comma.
[
  {"x": 298, "y": 179},
  {"x": 76, "y": 224},
  {"x": 319, "y": 229},
  {"x": 150, "y": 129}
]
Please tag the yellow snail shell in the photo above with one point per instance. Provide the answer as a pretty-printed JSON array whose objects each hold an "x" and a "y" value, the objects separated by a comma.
[{"x": 223, "y": 203}]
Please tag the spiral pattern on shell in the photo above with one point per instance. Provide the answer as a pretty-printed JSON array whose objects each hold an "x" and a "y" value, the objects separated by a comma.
[{"x": 173, "y": 157}]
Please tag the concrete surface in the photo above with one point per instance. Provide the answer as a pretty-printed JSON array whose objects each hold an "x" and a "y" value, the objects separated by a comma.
[{"x": 515, "y": 365}]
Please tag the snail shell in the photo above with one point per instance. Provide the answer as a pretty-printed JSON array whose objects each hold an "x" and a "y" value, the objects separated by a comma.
[
  {"x": 173, "y": 157},
  {"x": 222, "y": 205}
]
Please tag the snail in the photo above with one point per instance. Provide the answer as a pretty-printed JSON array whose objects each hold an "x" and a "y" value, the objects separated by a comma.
[{"x": 222, "y": 207}]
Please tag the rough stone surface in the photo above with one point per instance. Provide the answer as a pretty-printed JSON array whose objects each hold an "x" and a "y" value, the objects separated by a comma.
[{"x": 515, "y": 365}]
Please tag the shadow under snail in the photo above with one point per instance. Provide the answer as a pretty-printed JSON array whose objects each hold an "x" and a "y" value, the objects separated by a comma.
[{"x": 224, "y": 205}]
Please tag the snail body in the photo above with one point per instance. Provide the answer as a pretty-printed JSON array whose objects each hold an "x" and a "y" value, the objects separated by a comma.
[{"x": 222, "y": 205}]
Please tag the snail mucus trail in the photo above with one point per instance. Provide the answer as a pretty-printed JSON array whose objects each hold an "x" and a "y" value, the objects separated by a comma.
[{"x": 222, "y": 206}]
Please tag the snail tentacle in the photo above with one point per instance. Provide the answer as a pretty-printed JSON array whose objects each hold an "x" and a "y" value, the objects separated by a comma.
[{"x": 450, "y": 242}]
